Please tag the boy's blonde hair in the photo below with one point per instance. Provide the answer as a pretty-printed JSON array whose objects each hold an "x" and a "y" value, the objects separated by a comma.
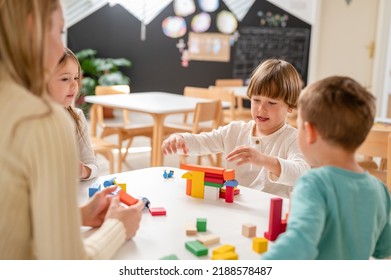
[
  {"x": 276, "y": 79},
  {"x": 23, "y": 53},
  {"x": 341, "y": 110}
]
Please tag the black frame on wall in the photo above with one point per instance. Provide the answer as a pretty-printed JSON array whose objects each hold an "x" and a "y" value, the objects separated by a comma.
[{"x": 156, "y": 61}]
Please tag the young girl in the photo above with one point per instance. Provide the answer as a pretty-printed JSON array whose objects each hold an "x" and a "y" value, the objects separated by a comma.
[
  {"x": 264, "y": 152},
  {"x": 64, "y": 86}
]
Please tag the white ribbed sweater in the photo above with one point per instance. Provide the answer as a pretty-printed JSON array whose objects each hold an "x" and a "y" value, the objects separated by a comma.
[{"x": 39, "y": 213}]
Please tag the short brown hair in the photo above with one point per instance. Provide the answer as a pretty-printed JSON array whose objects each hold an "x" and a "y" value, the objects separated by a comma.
[
  {"x": 276, "y": 79},
  {"x": 341, "y": 110}
]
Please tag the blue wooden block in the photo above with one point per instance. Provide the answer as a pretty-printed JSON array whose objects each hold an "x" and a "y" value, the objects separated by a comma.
[
  {"x": 95, "y": 187},
  {"x": 109, "y": 182},
  {"x": 231, "y": 183}
]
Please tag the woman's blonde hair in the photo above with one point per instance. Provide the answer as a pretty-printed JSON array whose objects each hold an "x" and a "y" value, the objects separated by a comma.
[
  {"x": 23, "y": 28},
  {"x": 276, "y": 79}
]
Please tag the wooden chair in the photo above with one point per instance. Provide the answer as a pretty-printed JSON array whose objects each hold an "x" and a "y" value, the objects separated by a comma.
[
  {"x": 229, "y": 83},
  {"x": 125, "y": 129},
  {"x": 241, "y": 112},
  {"x": 377, "y": 145},
  {"x": 207, "y": 116},
  {"x": 106, "y": 149}
]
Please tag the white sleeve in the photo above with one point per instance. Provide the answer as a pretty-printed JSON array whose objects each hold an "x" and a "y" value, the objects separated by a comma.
[{"x": 87, "y": 155}]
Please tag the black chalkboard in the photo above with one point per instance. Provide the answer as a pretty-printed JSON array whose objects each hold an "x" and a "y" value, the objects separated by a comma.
[{"x": 256, "y": 44}]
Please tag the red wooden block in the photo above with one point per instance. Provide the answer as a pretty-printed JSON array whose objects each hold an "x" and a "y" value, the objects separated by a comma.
[
  {"x": 229, "y": 194},
  {"x": 157, "y": 211},
  {"x": 214, "y": 180},
  {"x": 274, "y": 219}
]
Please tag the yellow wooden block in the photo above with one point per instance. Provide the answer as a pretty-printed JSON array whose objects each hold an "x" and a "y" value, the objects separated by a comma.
[
  {"x": 197, "y": 183},
  {"x": 223, "y": 249},
  {"x": 121, "y": 185},
  {"x": 260, "y": 244},
  {"x": 225, "y": 256}
]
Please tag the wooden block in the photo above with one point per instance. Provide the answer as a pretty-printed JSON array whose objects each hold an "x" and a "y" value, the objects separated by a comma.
[
  {"x": 209, "y": 239},
  {"x": 229, "y": 174},
  {"x": 223, "y": 249},
  {"x": 229, "y": 194},
  {"x": 201, "y": 224},
  {"x": 231, "y": 183},
  {"x": 157, "y": 211},
  {"x": 225, "y": 256},
  {"x": 121, "y": 185},
  {"x": 126, "y": 198},
  {"x": 215, "y": 185},
  {"x": 195, "y": 167},
  {"x": 249, "y": 230},
  {"x": 170, "y": 257},
  {"x": 211, "y": 193},
  {"x": 214, "y": 180},
  {"x": 197, "y": 183},
  {"x": 95, "y": 187},
  {"x": 274, "y": 219},
  {"x": 196, "y": 248},
  {"x": 260, "y": 244},
  {"x": 191, "y": 230}
]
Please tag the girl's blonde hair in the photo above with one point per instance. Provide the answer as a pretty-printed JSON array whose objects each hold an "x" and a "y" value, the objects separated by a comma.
[
  {"x": 69, "y": 55},
  {"x": 276, "y": 79},
  {"x": 23, "y": 28}
]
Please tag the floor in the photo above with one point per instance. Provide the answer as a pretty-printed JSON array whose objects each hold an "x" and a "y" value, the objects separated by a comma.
[{"x": 140, "y": 151}]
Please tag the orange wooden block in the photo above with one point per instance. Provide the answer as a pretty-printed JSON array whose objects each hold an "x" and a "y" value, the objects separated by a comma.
[
  {"x": 229, "y": 174},
  {"x": 126, "y": 198},
  {"x": 195, "y": 167}
]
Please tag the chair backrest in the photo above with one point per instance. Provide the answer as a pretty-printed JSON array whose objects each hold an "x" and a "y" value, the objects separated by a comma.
[
  {"x": 106, "y": 90},
  {"x": 207, "y": 112},
  {"x": 378, "y": 145},
  {"x": 225, "y": 95},
  {"x": 229, "y": 82}
]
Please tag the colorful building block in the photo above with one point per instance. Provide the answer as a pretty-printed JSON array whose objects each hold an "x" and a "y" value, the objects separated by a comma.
[
  {"x": 208, "y": 239},
  {"x": 126, "y": 198},
  {"x": 225, "y": 256},
  {"x": 95, "y": 187},
  {"x": 216, "y": 180},
  {"x": 120, "y": 184},
  {"x": 229, "y": 194},
  {"x": 249, "y": 230},
  {"x": 196, "y": 248},
  {"x": 223, "y": 249},
  {"x": 231, "y": 183},
  {"x": 109, "y": 182},
  {"x": 191, "y": 230},
  {"x": 201, "y": 224},
  {"x": 204, "y": 169},
  {"x": 211, "y": 193},
  {"x": 170, "y": 257},
  {"x": 157, "y": 211},
  {"x": 260, "y": 244},
  {"x": 229, "y": 174},
  {"x": 274, "y": 219},
  {"x": 197, "y": 183}
]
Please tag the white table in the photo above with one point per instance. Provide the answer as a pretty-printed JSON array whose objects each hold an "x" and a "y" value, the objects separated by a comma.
[
  {"x": 157, "y": 104},
  {"x": 159, "y": 236}
]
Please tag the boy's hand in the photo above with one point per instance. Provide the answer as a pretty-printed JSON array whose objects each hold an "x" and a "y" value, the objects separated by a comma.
[
  {"x": 245, "y": 154},
  {"x": 174, "y": 143}
]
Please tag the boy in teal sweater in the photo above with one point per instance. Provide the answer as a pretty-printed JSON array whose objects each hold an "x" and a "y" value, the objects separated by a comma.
[{"x": 338, "y": 211}]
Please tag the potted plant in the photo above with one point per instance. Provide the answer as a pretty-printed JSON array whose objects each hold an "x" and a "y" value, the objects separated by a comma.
[{"x": 99, "y": 71}]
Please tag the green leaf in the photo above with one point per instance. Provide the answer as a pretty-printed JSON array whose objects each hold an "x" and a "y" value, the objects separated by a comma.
[{"x": 116, "y": 78}]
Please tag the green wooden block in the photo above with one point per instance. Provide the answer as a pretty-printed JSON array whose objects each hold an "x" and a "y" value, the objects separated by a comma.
[
  {"x": 210, "y": 184},
  {"x": 201, "y": 224},
  {"x": 170, "y": 257},
  {"x": 196, "y": 248}
]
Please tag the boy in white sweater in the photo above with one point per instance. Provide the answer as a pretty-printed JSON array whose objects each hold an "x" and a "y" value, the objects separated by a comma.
[{"x": 264, "y": 151}]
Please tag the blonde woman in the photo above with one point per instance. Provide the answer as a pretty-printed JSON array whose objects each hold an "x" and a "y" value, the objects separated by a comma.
[{"x": 39, "y": 214}]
